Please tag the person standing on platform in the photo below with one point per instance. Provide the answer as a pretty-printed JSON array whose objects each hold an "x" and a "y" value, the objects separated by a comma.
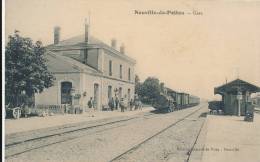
[
  {"x": 90, "y": 106},
  {"x": 111, "y": 104},
  {"x": 131, "y": 104},
  {"x": 121, "y": 105},
  {"x": 117, "y": 102}
]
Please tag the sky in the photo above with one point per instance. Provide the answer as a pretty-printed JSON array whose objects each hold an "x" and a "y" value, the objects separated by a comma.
[{"x": 190, "y": 53}]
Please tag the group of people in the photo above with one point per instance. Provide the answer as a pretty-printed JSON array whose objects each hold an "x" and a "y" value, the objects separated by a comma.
[
  {"x": 115, "y": 104},
  {"x": 123, "y": 104}
]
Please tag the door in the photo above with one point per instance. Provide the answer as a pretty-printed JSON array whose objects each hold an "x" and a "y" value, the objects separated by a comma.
[
  {"x": 109, "y": 95},
  {"x": 128, "y": 95},
  {"x": 66, "y": 97},
  {"x": 96, "y": 96},
  {"x": 120, "y": 93}
]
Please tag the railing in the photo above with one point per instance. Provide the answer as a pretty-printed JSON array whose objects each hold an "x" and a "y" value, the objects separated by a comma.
[
  {"x": 43, "y": 110},
  {"x": 50, "y": 109}
]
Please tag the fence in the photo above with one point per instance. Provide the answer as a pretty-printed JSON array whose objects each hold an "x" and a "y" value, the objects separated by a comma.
[
  {"x": 43, "y": 110},
  {"x": 48, "y": 109}
]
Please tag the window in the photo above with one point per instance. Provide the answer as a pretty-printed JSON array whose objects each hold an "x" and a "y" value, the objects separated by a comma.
[
  {"x": 120, "y": 71},
  {"x": 110, "y": 68},
  {"x": 85, "y": 56},
  {"x": 129, "y": 74}
]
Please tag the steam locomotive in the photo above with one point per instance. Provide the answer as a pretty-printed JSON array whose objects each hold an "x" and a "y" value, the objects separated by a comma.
[{"x": 172, "y": 100}]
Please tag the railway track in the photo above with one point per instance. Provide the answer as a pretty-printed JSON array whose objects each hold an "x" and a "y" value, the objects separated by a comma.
[
  {"x": 18, "y": 147},
  {"x": 195, "y": 142},
  {"x": 72, "y": 132},
  {"x": 155, "y": 135}
]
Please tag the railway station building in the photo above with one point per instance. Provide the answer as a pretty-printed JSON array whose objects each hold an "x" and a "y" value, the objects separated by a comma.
[
  {"x": 236, "y": 96},
  {"x": 86, "y": 67}
]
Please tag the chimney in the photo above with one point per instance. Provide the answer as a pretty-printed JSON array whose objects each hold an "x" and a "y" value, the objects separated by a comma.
[
  {"x": 56, "y": 35},
  {"x": 86, "y": 39},
  {"x": 86, "y": 31},
  {"x": 122, "y": 49},
  {"x": 113, "y": 43}
]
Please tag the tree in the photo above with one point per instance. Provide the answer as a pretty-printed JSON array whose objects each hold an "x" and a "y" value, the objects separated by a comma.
[
  {"x": 150, "y": 89},
  {"x": 26, "y": 70}
]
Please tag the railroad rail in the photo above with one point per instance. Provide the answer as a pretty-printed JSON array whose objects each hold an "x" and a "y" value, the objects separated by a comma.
[
  {"x": 47, "y": 138},
  {"x": 195, "y": 142},
  {"x": 153, "y": 136},
  {"x": 22, "y": 146}
]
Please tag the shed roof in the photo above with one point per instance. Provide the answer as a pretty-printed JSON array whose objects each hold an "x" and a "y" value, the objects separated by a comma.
[{"x": 235, "y": 86}]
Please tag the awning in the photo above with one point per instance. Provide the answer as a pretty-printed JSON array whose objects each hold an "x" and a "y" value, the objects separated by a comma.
[{"x": 235, "y": 86}]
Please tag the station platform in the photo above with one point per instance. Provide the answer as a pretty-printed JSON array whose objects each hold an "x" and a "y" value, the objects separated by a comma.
[
  {"x": 228, "y": 139},
  {"x": 33, "y": 123}
]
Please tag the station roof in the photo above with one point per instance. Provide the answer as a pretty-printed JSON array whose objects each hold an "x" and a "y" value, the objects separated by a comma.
[
  {"x": 78, "y": 42},
  {"x": 235, "y": 86},
  {"x": 61, "y": 64},
  {"x": 80, "y": 39}
]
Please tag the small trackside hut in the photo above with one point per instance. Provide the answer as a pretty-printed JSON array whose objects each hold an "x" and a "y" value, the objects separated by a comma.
[{"x": 236, "y": 96}]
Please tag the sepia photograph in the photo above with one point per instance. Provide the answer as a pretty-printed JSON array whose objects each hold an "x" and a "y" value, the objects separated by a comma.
[{"x": 130, "y": 81}]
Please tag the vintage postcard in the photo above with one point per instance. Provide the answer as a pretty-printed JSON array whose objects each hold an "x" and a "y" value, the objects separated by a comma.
[{"x": 131, "y": 81}]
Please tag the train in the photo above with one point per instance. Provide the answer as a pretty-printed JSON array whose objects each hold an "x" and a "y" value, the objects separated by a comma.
[
  {"x": 171, "y": 100},
  {"x": 164, "y": 103}
]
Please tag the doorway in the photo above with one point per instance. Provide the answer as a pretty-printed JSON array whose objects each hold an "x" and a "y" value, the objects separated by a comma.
[
  {"x": 96, "y": 96},
  {"x": 120, "y": 93},
  {"x": 109, "y": 95},
  {"x": 128, "y": 95},
  {"x": 66, "y": 97}
]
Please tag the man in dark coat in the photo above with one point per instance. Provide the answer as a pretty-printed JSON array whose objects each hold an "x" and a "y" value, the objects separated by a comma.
[
  {"x": 117, "y": 102},
  {"x": 122, "y": 105},
  {"x": 90, "y": 103},
  {"x": 111, "y": 104}
]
